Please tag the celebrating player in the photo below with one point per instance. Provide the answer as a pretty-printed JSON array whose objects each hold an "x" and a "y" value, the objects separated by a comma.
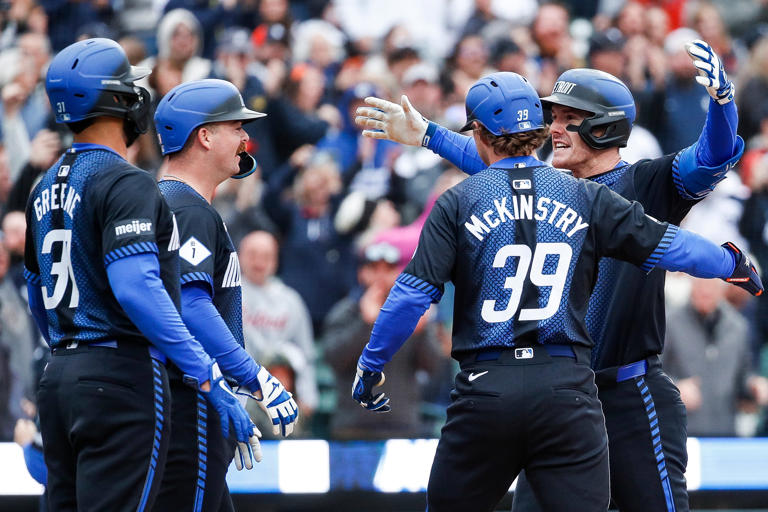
[
  {"x": 200, "y": 125},
  {"x": 521, "y": 241},
  {"x": 103, "y": 287},
  {"x": 592, "y": 114}
]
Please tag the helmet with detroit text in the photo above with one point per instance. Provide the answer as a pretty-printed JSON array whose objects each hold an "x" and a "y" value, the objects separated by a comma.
[
  {"x": 504, "y": 103},
  {"x": 193, "y": 104},
  {"x": 602, "y": 95},
  {"x": 93, "y": 78}
]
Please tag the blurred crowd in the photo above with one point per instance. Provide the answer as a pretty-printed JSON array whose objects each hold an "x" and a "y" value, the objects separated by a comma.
[{"x": 331, "y": 218}]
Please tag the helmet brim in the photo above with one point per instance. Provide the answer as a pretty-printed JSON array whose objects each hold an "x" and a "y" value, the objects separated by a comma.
[
  {"x": 137, "y": 73},
  {"x": 244, "y": 114},
  {"x": 568, "y": 101}
]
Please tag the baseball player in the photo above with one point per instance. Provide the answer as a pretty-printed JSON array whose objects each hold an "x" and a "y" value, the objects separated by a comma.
[
  {"x": 200, "y": 126},
  {"x": 521, "y": 242},
  {"x": 592, "y": 114},
  {"x": 101, "y": 269}
]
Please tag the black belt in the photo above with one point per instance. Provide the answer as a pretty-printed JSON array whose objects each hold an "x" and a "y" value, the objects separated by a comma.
[
  {"x": 124, "y": 347},
  {"x": 522, "y": 355}
]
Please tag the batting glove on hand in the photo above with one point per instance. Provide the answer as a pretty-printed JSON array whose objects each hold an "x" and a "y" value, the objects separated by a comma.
[
  {"x": 386, "y": 120},
  {"x": 275, "y": 401},
  {"x": 745, "y": 274},
  {"x": 226, "y": 404},
  {"x": 362, "y": 391},
  {"x": 711, "y": 72},
  {"x": 246, "y": 453}
]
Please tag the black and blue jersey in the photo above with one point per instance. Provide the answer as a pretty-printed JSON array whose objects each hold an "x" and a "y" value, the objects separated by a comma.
[
  {"x": 207, "y": 254},
  {"x": 522, "y": 245},
  {"x": 90, "y": 209}
]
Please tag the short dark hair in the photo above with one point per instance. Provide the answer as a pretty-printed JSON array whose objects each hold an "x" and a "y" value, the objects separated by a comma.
[{"x": 515, "y": 144}]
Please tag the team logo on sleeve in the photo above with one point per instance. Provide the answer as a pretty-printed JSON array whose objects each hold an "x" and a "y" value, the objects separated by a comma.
[
  {"x": 133, "y": 227},
  {"x": 194, "y": 251},
  {"x": 232, "y": 275}
]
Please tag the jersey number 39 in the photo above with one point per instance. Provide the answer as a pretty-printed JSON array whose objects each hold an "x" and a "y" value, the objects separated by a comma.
[
  {"x": 515, "y": 283},
  {"x": 62, "y": 269}
]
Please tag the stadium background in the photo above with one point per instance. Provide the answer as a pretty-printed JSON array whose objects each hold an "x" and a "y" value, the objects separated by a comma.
[{"x": 347, "y": 210}]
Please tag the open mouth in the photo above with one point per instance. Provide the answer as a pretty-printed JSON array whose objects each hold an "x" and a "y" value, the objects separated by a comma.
[{"x": 241, "y": 148}]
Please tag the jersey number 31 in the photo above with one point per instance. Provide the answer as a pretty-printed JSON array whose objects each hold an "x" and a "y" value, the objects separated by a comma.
[
  {"x": 62, "y": 269},
  {"x": 515, "y": 283}
]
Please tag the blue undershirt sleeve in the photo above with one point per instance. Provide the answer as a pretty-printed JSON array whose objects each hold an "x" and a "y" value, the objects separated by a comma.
[
  {"x": 397, "y": 319},
  {"x": 136, "y": 283},
  {"x": 458, "y": 149},
  {"x": 37, "y": 307},
  {"x": 697, "y": 256},
  {"x": 697, "y": 169},
  {"x": 206, "y": 325}
]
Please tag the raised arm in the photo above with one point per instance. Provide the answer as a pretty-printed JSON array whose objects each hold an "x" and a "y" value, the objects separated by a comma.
[{"x": 698, "y": 168}]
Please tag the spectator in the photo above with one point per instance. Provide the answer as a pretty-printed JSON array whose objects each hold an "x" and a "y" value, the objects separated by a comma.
[
  {"x": 276, "y": 323},
  {"x": 315, "y": 260},
  {"x": 754, "y": 90},
  {"x": 707, "y": 353},
  {"x": 348, "y": 327}
]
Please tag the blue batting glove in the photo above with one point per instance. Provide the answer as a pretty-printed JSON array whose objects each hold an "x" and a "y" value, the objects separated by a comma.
[
  {"x": 711, "y": 72},
  {"x": 362, "y": 390},
  {"x": 275, "y": 401},
  {"x": 226, "y": 404},
  {"x": 745, "y": 274}
]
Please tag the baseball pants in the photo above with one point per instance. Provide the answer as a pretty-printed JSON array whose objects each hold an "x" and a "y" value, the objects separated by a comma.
[{"x": 105, "y": 424}]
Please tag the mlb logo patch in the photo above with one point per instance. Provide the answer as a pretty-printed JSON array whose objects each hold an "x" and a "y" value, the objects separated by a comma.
[
  {"x": 63, "y": 171},
  {"x": 524, "y": 353},
  {"x": 521, "y": 184}
]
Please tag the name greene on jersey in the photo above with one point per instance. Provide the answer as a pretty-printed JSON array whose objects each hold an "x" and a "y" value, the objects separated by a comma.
[
  {"x": 548, "y": 210},
  {"x": 57, "y": 196}
]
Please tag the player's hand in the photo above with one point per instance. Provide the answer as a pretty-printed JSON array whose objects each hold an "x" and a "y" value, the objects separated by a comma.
[
  {"x": 247, "y": 453},
  {"x": 745, "y": 274},
  {"x": 387, "y": 120},
  {"x": 275, "y": 401},
  {"x": 226, "y": 404},
  {"x": 711, "y": 72},
  {"x": 362, "y": 390}
]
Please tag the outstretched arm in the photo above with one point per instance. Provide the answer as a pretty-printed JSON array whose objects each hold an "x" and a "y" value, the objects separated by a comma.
[{"x": 403, "y": 123}]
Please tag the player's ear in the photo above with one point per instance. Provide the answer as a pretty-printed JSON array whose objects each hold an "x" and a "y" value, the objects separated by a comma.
[{"x": 204, "y": 136}]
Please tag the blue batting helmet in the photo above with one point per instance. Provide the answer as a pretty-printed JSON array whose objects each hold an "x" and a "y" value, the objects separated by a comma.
[
  {"x": 504, "y": 103},
  {"x": 93, "y": 78},
  {"x": 601, "y": 94},
  {"x": 196, "y": 103}
]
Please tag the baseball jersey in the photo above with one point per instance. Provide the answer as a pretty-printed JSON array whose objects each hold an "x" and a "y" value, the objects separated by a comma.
[
  {"x": 90, "y": 209},
  {"x": 626, "y": 316},
  {"x": 521, "y": 242},
  {"x": 207, "y": 253}
]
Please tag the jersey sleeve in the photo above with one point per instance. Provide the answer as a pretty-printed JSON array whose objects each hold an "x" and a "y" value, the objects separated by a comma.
[
  {"x": 130, "y": 211},
  {"x": 623, "y": 231},
  {"x": 198, "y": 229},
  {"x": 432, "y": 263}
]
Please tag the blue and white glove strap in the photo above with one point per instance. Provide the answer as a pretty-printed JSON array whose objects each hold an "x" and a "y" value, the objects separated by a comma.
[{"x": 711, "y": 72}]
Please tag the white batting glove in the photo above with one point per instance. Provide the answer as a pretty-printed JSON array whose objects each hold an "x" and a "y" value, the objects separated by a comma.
[
  {"x": 711, "y": 72},
  {"x": 275, "y": 401},
  {"x": 247, "y": 453},
  {"x": 386, "y": 120}
]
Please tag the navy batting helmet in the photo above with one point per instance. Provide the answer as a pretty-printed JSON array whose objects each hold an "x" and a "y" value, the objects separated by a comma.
[
  {"x": 93, "y": 78},
  {"x": 196, "y": 103},
  {"x": 504, "y": 103},
  {"x": 601, "y": 94}
]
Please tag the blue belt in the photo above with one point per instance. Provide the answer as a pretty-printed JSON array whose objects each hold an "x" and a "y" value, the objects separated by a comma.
[
  {"x": 629, "y": 371},
  {"x": 153, "y": 352},
  {"x": 552, "y": 350}
]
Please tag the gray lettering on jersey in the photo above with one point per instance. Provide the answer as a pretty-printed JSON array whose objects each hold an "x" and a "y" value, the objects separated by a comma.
[
  {"x": 232, "y": 275},
  {"x": 194, "y": 251},
  {"x": 173, "y": 243},
  {"x": 132, "y": 227}
]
